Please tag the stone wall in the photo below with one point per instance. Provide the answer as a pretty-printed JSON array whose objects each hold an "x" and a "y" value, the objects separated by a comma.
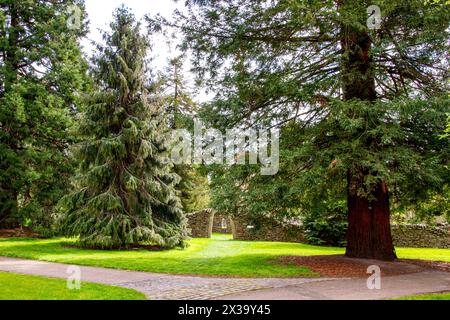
[
  {"x": 419, "y": 236},
  {"x": 222, "y": 224},
  {"x": 412, "y": 236},
  {"x": 204, "y": 222},
  {"x": 200, "y": 223},
  {"x": 267, "y": 231}
]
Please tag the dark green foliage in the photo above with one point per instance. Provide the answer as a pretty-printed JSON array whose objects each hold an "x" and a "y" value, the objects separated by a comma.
[
  {"x": 180, "y": 106},
  {"x": 322, "y": 208},
  {"x": 434, "y": 208},
  {"x": 326, "y": 223},
  {"x": 41, "y": 70},
  {"x": 447, "y": 131},
  {"x": 125, "y": 192},
  {"x": 181, "y": 110},
  {"x": 193, "y": 187},
  {"x": 272, "y": 62}
]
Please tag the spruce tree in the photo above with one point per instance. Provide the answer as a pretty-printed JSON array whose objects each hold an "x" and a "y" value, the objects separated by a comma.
[{"x": 125, "y": 192}]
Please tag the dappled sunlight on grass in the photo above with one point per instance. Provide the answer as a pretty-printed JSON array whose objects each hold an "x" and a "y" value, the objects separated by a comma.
[
  {"x": 220, "y": 256},
  {"x": 222, "y": 237},
  {"x": 424, "y": 254}
]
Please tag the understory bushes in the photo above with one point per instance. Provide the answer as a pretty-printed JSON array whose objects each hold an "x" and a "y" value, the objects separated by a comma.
[{"x": 326, "y": 225}]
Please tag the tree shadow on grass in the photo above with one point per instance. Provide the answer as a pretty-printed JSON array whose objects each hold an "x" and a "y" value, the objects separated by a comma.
[{"x": 180, "y": 262}]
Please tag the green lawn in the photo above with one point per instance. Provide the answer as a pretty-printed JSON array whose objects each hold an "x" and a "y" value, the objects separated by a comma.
[
  {"x": 424, "y": 254},
  {"x": 21, "y": 287},
  {"x": 218, "y": 256},
  {"x": 434, "y": 296}
]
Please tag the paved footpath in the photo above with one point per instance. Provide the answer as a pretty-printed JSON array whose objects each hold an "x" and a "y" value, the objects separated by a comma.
[{"x": 171, "y": 287}]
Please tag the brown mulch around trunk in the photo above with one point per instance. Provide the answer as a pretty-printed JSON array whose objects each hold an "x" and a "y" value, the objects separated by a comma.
[
  {"x": 337, "y": 266},
  {"x": 436, "y": 265},
  {"x": 18, "y": 233}
]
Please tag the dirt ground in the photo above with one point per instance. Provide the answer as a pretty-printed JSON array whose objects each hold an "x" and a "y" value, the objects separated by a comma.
[{"x": 18, "y": 233}]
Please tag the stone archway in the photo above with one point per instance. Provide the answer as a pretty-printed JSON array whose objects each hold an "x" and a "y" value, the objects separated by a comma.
[
  {"x": 220, "y": 223},
  {"x": 203, "y": 223}
]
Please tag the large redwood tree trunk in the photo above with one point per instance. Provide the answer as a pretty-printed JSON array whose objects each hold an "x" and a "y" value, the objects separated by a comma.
[{"x": 369, "y": 231}]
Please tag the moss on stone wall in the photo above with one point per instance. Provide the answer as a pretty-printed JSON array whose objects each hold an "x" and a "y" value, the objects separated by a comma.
[{"x": 420, "y": 236}]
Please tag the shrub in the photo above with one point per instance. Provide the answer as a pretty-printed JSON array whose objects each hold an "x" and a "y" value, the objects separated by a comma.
[{"x": 327, "y": 225}]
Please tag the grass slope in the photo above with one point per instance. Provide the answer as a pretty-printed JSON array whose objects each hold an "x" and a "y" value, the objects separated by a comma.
[
  {"x": 220, "y": 256},
  {"x": 22, "y": 287}
]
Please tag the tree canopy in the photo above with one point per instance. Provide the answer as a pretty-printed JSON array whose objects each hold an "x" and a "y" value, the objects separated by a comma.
[
  {"x": 41, "y": 74},
  {"x": 367, "y": 105}
]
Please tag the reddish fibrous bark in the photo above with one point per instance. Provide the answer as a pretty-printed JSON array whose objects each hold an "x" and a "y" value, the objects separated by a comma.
[{"x": 369, "y": 232}]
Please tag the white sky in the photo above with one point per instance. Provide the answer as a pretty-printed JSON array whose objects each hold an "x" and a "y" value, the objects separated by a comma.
[{"x": 100, "y": 15}]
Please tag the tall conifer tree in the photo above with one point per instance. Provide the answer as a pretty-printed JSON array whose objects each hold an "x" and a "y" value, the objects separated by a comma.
[
  {"x": 41, "y": 70},
  {"x": 193, "y": 186},
  {"x": 125, "y": 190}
]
